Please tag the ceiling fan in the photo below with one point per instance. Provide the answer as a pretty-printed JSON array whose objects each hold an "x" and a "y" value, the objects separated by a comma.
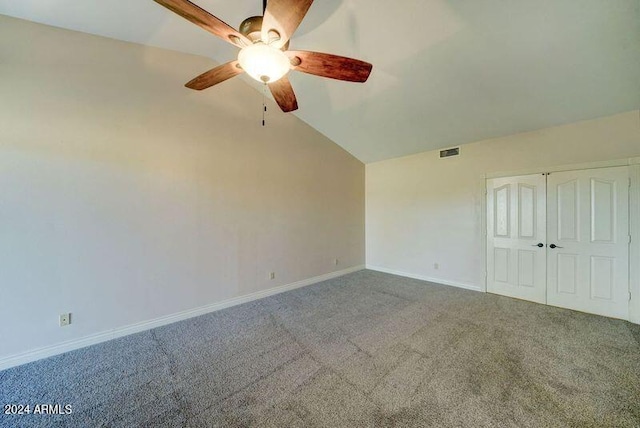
[{"x": 264, "y": 54}]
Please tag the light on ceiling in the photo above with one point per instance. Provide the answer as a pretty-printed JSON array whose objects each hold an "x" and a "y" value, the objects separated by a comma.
[{"x": 263, "y": 62}]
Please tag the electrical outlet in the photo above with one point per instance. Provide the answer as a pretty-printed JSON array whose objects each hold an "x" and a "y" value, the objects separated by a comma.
[
  {"x": 436, "y": 266},
  {"x": 336, "y": 262},
  {"x": 65, "y": 319},
  {"x": 272, "y": 275}
]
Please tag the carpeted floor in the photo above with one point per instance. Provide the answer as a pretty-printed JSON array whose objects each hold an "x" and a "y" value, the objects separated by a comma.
[{"x": 364, "y": 350}]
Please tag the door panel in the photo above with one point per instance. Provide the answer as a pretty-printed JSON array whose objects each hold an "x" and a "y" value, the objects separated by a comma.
[
  {"x": 527, "y": 211},
  {"x": 502, "y": 211},
  {"x": 588, "y": 221},
  {"x": 516, "y": 224},
  {"x": 526, "y": 268},
  {"x": 501, "y": 264},
  {"x": 567, "y": 273},
  {"x": 603, "y": 211},
  {"x": 568, "y": 221},
  {"x": 602, "y": 277}
]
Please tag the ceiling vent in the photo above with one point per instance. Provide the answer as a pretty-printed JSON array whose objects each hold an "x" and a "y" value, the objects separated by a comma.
[{"x": 449, "y": 152}]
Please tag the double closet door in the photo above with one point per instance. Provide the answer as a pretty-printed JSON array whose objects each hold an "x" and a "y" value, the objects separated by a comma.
[{"x": 561, "y": 239}]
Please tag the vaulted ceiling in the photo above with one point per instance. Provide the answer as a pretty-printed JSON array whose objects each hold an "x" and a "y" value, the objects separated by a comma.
[{"x": 446, "y": 72}]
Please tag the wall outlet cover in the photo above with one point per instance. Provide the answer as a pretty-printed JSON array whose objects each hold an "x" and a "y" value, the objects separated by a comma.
[{"x": 65, "y": 319}]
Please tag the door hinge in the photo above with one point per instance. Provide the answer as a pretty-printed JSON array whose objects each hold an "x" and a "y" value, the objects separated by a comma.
[
  {"x": 629, "y": 295},
  {"x": 629, "y": 239}
]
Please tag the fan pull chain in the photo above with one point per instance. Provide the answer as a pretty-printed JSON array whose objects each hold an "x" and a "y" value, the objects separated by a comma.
[{"x": 264, "y": 103}]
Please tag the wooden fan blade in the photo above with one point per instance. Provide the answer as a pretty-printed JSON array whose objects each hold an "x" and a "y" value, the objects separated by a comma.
[
  {"x": 215, "y": 76},
  {"x": 284, "y": 17},
  {"x": 205, "y": 20},
  {"x": 283, "y": 93},
  {"x": 332, "y": 66}
]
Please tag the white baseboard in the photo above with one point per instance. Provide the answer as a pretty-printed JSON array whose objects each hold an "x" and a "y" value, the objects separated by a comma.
[
  {"x": 48, "y": 351},
  {"x": 426, "y": 278}
]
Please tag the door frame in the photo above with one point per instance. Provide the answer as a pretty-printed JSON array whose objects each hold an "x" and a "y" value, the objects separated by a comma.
[{"x": 634, "y": 218}]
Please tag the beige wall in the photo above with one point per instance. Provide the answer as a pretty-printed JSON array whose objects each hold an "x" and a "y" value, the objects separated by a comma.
[
  {"x": 423, "y": 210},
  {"x": 127, "y": 197}
]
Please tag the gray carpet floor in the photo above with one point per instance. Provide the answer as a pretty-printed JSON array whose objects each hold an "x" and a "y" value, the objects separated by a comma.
[{"x": 364, "y": 350}]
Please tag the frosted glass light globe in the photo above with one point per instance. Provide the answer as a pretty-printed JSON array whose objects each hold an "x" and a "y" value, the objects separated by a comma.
[{"x": 264, "y": 63}]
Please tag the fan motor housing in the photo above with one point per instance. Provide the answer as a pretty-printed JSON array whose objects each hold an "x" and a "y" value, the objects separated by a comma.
[{"x": 252, "y": 29}]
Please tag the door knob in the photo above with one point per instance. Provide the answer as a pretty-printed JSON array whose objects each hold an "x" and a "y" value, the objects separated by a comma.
[
  {"x": 554, "y": 246},
  {"x": 539, "y": 245}
]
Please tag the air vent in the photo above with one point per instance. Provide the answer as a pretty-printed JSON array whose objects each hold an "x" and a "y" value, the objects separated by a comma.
[{"x": 449, "y": 152}]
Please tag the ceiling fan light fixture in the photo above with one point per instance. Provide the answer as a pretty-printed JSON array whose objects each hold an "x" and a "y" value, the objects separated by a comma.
[
  {"x": 264, "y": 63},
  {"x": 263, "y": 41}
]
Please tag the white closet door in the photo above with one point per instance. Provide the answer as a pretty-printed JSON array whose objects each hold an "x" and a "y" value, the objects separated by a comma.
[
  {"x": 516, "y": 227},
  {"x": 588, "y": 224}
]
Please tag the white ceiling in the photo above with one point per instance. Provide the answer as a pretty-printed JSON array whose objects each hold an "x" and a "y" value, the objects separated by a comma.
[{"x": 446, "y": 72}]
